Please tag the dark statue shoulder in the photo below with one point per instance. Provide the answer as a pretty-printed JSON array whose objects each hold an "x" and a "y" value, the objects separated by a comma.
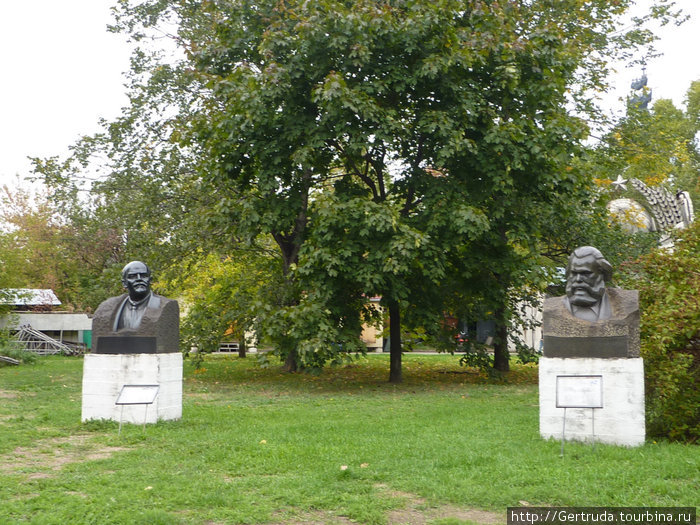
[
  {"x": 160, "y": 302},
  {"x": 111, "y": 303}
]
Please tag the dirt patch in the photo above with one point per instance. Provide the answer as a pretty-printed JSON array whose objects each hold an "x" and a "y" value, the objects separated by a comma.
[
  {"x": 76, "y": 493},
  {"x": 317, "y": 517},
  {"x": 419, "y": 516},
  {"x": 8, "y": 394},
  {"x": 50, "y": 455},
  {"x": 416, "y": 511},
  {"x": 25, "y": 497},
  {"x": 197, "y": 397}
]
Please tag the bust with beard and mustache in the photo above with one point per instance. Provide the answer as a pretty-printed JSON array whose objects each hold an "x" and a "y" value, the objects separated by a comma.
[
  {"x": 593, "y": 319},
  {"x": 586, "y": 275}
]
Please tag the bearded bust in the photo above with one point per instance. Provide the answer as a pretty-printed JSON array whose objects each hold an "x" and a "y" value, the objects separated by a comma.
[
  {"x": 591, "y": 320},
  {"x": 586, "y": 276}
]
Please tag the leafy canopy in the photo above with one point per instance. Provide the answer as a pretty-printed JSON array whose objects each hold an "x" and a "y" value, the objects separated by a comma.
[{"x": 385, "y": 146}]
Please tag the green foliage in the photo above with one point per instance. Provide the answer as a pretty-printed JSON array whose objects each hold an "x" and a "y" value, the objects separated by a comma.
[
  {"x": 526, "y": 354},
  {"x": 319, "y": 338},
  {"x": 477, "y": 356},
  {"x": 358, "y": 248},
  {"x": 397, "y": 148},
  {"x": 5, "y": 308},
  {"x": 58, "y": 245},
  {"x": 219, "y": 294},
  {"x": 656, "y": 146},
  {"x": 669, "y": 289}
]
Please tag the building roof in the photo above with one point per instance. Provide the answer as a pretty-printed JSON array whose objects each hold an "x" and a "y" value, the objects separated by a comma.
[{"x": 29, "y": 297}]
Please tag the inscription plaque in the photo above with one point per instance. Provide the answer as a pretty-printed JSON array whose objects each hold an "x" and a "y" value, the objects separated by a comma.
[
  {"x": 579, "y": 391},
  {"x": 125, "y": 345}
]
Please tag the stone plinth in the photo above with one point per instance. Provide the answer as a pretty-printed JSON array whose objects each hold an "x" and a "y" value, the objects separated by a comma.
[
  {"x": 104, "y": 375},
  {"x": 619, "y": 422}
]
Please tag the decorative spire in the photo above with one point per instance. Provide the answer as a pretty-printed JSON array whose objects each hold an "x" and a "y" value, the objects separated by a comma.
[{"x": 642, "y": 94}]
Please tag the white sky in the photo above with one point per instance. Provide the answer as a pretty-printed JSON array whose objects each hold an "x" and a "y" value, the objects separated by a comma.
[{"x": 62, "y": 71}]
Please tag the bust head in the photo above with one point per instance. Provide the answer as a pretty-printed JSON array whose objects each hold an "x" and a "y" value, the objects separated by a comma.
[
  {"x": 586, "y": 275},
  {"x": 136, "y": 278}
]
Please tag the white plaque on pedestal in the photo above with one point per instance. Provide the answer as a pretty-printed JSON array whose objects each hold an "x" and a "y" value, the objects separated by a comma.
[{"x": 579, "y": 392}]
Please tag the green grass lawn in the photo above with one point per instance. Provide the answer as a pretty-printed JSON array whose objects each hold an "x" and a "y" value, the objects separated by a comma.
[{"x": 256, "y": 445}]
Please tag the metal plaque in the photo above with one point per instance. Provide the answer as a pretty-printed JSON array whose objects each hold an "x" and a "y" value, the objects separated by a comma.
[
  {"x": 137, "y": 395},
  {"x": 582, "y": 391}
]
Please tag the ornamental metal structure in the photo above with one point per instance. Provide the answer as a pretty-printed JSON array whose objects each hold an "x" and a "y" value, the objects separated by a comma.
[{"x": 668, "y": 212}]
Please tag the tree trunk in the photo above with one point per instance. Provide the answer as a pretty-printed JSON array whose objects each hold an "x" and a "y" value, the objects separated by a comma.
[
  {"x": 290, "y": 244},
  {"x": 290, "y": 363},
  {"x": 394, "y": 343},
  {"x": 500, "y": 343},
  {"x": 242, "y": 347}
]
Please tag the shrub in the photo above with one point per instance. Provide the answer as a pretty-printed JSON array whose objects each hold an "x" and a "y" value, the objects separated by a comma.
[
  {"x": 669, "y": 286},
  {"x": 477, "y": 356}
]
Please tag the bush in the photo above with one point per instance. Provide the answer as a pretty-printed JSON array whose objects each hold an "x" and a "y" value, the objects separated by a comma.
[
  {"x": 477, "y": 356},
  {"x": 669, "y": 286}
]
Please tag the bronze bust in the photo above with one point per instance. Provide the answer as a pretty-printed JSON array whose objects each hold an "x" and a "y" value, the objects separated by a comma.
[
  {"x": 586, "y": 276},
  {"x": 591, "y": 320},
  {"x": 139, "y": 321}
]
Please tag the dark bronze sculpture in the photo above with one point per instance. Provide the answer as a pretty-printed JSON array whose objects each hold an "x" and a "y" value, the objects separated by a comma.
[
  {"x": 138, "y": 321},
  {"x": 591, "y": 320},
  {"x": 586, "y": 276}
]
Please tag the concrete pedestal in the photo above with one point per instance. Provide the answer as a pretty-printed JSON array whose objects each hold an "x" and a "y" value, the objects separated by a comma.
[
  {"x": 619, "y": 422},
  {"x": 104, "y": 375}
]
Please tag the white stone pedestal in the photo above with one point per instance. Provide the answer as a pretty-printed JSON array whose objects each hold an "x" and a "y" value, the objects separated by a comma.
[
  {"x": 104, "y": 375},
  {"x": 619, "y": 422}
]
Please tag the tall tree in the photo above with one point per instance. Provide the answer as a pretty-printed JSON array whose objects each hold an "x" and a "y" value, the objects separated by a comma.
[
  {"x": 378, "y": 93},
  {"x": 437, "y": 129},
  {"x": 43, "y": 246}
]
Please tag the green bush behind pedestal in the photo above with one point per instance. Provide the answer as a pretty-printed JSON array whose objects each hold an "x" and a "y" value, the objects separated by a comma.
[{"x": 669, "y": 286}]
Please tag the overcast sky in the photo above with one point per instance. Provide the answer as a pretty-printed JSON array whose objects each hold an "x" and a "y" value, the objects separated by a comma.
[{"x": 62, "y": 71}]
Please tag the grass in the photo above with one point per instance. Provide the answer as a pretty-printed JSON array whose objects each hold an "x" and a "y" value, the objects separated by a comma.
[{"x": 256, "y": 445}]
